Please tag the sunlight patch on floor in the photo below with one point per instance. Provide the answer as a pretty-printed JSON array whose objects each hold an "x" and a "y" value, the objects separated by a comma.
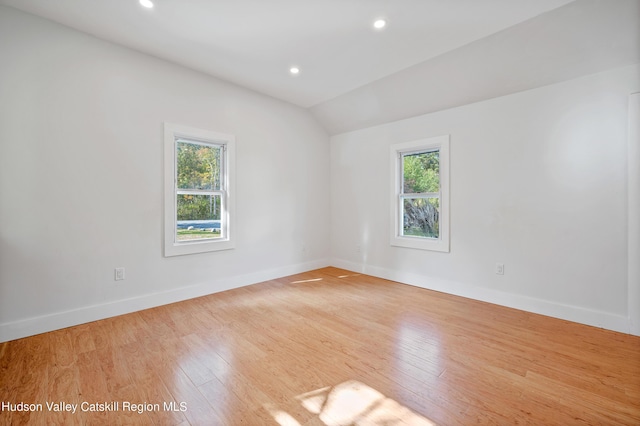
[
  {"x": 314, "y": 401},
  {"x": 282, "y": 417},
  {"x": 351, "y": 403}
]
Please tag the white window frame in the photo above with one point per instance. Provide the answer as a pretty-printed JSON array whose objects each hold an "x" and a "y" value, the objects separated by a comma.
[
  {"x": 172, "y": 133},
  {"x": 438, "y": 143}
]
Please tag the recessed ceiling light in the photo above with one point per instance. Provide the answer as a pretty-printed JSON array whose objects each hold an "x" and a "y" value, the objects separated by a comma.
[
  {"x": 147, "y": 3},
  {"x": 379, "y": 24},
  {"x": 294, "y": 70}
]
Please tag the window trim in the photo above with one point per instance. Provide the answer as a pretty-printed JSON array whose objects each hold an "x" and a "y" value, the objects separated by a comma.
[
  {"x": 172, "y": 133},
  {"x": 396, "y": 151}
]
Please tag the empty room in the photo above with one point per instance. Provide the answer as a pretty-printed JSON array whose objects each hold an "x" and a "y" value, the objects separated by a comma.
[{"x": 322, "y": 212}]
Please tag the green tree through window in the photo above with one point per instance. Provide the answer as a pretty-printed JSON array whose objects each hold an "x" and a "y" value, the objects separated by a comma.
[
  {"x": 199, "y": 195},
  {"x": 420, "y": 189}
]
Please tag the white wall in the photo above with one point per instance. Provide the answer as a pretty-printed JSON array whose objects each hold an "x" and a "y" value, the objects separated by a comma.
[
  {"x": 633, "y": 216},
  {"x": 538, "y": 182},
  {"x": 81, "y": 179}
]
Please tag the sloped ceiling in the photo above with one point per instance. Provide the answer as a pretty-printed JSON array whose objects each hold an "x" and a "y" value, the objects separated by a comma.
[
  {"x": 581, "y": 38},
  {"x": 433, "y": 54}
]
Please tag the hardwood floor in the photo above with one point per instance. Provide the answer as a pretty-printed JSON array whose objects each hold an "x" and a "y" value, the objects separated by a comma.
[{"x": 327, "y": 347}]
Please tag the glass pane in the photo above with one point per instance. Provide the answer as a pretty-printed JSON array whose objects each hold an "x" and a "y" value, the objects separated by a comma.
[
  {"x": 198, "y": 217},
  {"x": 421, "y": 172},
  {"x": 421, "y": 217},
  {"x": 198, "y": 165}
]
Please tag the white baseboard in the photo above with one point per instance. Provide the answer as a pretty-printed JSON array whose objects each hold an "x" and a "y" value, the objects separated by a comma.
[
  {"x": 539, "y": 306},
  {"x": 55, "y": 321}
]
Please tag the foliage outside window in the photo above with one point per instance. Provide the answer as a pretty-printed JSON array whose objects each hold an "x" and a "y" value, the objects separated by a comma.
[
  {"x": 420, "y": 194},
  {"x": 198, "y": 199},
  {"x": 199, "y": 190}
]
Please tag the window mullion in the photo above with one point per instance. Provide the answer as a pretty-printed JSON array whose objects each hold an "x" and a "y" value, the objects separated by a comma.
[
  {"x": 200, "y": 192},
  {"x": 401, "y": 173},
  {"x": 421, "y": 195}
]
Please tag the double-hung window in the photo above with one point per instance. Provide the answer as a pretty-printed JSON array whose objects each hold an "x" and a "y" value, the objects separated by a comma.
[
  {"x": 420, "y": 194},
  {"x": 198, "y": 190}
]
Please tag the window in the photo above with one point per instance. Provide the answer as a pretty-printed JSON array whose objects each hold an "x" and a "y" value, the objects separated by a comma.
[
  {"x": 198, "y": 187},
  {"x": 420, "y": 194}
]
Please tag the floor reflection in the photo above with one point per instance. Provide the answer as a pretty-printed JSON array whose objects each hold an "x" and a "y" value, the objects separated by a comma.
[
  {"x": 306, "y": 281},
  {"x": 417, "y": 351}
]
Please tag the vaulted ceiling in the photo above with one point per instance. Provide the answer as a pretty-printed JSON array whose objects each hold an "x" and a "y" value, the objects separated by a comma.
[{"x": 432, "y": 54}]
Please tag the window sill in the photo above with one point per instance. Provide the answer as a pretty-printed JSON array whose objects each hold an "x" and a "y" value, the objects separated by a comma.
[
  {"x": 192, "y": 247},
  {"x": 430, "y": 244}
]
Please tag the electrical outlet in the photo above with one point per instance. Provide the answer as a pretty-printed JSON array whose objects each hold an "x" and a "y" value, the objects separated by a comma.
[
  {"x": 119, "y": 274},
  {"x": 500, "y": 268}
]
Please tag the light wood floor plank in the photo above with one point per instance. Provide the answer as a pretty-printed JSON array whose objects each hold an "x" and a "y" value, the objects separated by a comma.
[{"x": 328, "y": 347}]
